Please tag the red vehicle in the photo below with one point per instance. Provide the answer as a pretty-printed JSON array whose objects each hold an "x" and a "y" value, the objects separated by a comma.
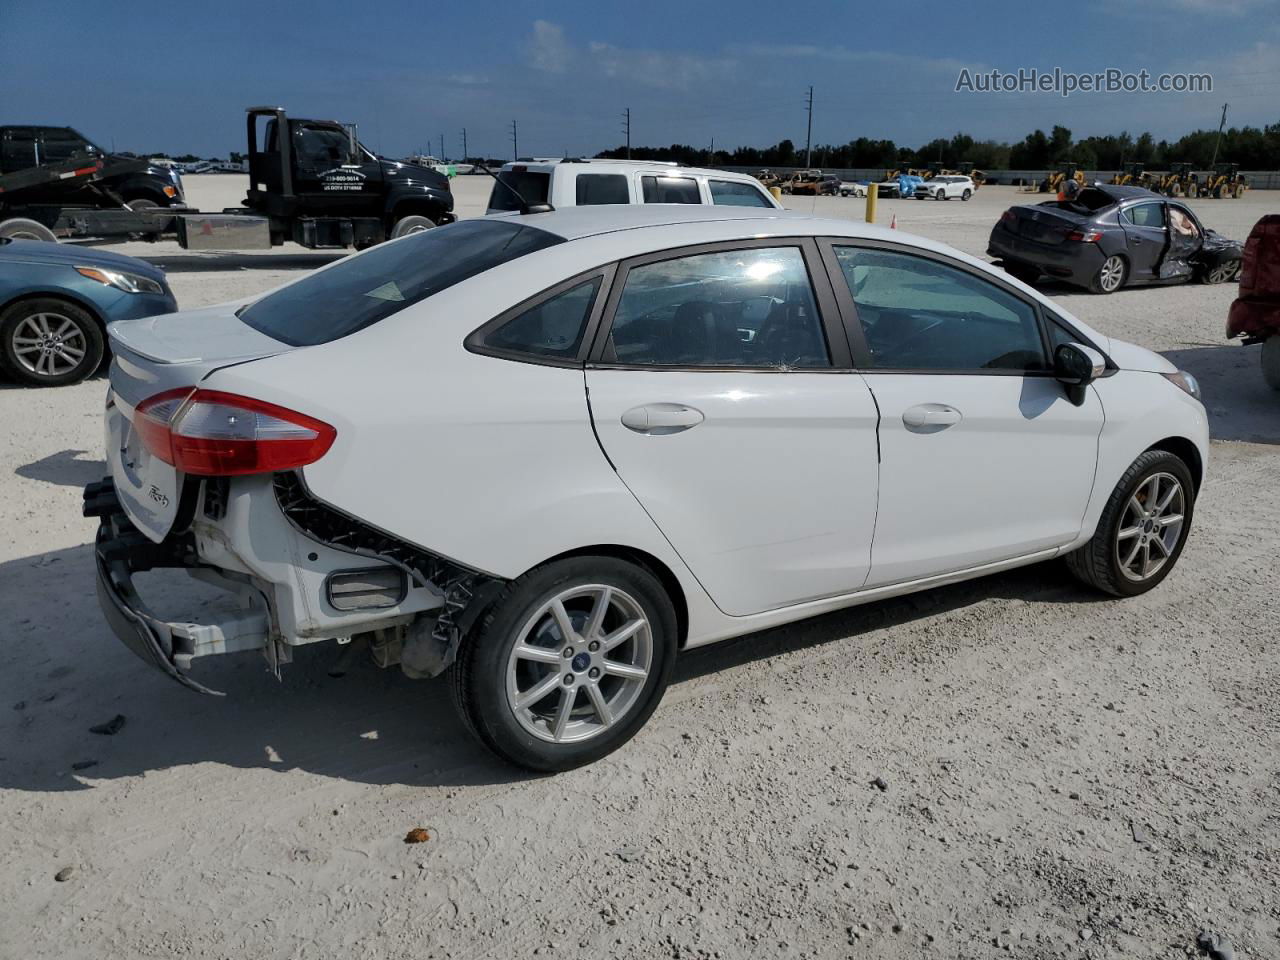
[{"x": 1255, "y": 315}]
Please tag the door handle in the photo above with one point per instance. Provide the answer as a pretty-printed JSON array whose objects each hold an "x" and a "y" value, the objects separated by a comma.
[
  {"x": 659, "y": 419},
  {"x": 931, "y": 415}
]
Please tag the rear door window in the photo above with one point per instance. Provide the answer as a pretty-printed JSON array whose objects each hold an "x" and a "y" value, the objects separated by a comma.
[
  {"x": 1146, "y": 215},
  {"x": 532, "y": 188},
  {"x": 600, "y": 188},
  {"x": 670, "y": 190},
  {"x": 362, "y": 290},
  {"x": 731, "y": 194}
]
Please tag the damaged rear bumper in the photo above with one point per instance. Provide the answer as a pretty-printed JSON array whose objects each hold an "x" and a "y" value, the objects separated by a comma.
[{"x": 120, "y": 551}]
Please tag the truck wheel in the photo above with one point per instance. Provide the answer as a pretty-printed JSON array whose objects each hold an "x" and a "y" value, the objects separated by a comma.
[
  {"x": 20, "y": 228},
  {"x": 411, "y": 224},
  {"x": 1271, "y": 361},
  {"x": 49, "y": 343},
  {"x": 142, "y": 203}
]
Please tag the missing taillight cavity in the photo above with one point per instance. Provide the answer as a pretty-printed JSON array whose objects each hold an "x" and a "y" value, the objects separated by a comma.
[{"x": 215, "y": 434}]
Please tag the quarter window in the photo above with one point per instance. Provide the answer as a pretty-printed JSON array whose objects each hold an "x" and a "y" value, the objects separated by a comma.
[
  {"x": 598, "y": 188},
  {"x": 728, "y": 193},
  {"x": 739, "y": 308},
  {"x": 670, "y": 190},
  {"x": 920, "y": 314},
  {"x": 553, "y": 328}
]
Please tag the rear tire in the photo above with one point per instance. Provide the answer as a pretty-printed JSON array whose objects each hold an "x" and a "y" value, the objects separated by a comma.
[
  {"x": 414, "y": 223},
  {"x": 142, "y": 203},
  {"x": 1111, "y": 276},
  {"x": 1271, "y": 361},
  {"x": 585, "y": 709},
  {"x": 967, "y": 194},
  {"x": 49, "y": 343},
  {"x": 1135, "y": 531},
  {"x": 20, "y": 228}
]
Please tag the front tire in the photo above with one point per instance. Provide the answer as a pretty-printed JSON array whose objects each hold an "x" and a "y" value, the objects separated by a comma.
[
  {"x": 1271, "y": 361},
  {"x": 1111, "y": 275},
  {"x": 414, "y": 223},
  {"x": 1142, "y": 530},
  {"x": 49, "y": 343},
  {"x": 568, "y": 663}
]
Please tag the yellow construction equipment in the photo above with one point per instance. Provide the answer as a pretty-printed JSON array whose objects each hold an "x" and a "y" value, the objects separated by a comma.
[
  {"x": 1054, "y": 181},
  {"x": 1180, "y": 181},
  {"x": 1225, "y": 182},
  {"x": 1134, "y": 175}
]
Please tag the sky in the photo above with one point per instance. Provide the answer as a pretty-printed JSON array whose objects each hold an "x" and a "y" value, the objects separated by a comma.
[{"x": 177, "y": 76}]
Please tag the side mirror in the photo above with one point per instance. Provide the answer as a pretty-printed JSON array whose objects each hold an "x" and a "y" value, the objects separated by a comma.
[{"x": 1076, "y": 366}]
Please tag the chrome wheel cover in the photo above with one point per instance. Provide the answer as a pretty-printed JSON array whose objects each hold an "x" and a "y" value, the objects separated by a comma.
[
  {"x": 579, "y": 663},
  {"x": 1150, "y": 527},
  {"x": 49, "y": 344}
]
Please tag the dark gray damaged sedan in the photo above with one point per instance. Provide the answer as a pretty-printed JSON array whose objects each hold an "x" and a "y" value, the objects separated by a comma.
[{"x": 1109, "y": 237}]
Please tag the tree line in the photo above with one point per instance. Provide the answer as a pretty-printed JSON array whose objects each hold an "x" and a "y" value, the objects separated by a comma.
[{"x": 1252, "y": 148}]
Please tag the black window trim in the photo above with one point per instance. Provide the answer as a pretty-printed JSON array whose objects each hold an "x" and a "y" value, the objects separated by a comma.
[
  {"x": 474, "y": 342},
  {"x": 857, "y": 340},
  {"x": 824, "y": 298}
]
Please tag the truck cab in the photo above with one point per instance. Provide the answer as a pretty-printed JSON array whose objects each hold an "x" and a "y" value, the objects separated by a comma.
[{"x": 321, "y": 187}]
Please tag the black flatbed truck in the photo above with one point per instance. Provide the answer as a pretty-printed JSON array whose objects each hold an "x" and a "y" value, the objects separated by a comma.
[{"x": 310, "y": 182}]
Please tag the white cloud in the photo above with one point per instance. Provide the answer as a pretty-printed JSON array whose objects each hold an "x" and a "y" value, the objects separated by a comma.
[
  {"x": 652, "y": 68},
  {"x": 549, "y": 51}
]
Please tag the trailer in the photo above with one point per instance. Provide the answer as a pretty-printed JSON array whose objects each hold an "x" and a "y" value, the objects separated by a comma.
[{"x": 311, "y": 182}]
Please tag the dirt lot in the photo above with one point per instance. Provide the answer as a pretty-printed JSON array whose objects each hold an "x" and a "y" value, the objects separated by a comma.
[{"x": 1065, "y": 776}]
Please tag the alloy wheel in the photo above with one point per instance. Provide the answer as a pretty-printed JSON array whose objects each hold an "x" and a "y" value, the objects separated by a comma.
[
  {"x": 579, "y": 663},
  {"x": 1111, "y": 274},
  {"x": 1150, "y": 527},
  {"x": 49, "y": 344}
]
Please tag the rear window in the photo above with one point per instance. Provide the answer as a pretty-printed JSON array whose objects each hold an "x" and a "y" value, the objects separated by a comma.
[
  {"x": 531, "y": 186},
  {"x": 596, "y": 188},
  {"x": 360, "y": 291},
  {"x": 670, "y": 190}
]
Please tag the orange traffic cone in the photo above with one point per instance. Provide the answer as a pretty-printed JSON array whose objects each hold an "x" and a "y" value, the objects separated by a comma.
[{"x": 893, "y": 222}]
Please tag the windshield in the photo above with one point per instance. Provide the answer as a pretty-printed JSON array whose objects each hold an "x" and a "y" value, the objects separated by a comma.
[{"x": 364, "y": 289}]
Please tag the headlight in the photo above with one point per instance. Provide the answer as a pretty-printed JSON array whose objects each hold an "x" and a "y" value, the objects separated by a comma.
[
  {"x": 128, "y": 282},
  {"x": 1185, "y": 382}
]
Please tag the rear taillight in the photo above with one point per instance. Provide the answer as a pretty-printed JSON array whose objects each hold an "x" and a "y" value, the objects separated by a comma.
[
  {"x": 215, "y": 434},
  {"x": 1084, "y": 236},
  {"x": 1008, "y": 216}
]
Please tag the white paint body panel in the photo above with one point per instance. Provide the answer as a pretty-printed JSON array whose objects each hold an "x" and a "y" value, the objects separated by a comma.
[
  {"x": 771, "y": 499},
  {"x": 1012, "y": 477}
]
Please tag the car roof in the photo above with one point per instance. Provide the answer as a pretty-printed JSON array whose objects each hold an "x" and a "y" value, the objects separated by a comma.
[
  {"x": 576, "y": 223},
  {"x": 543, "y": 165},
  {"x": 1121, "y": 194}
]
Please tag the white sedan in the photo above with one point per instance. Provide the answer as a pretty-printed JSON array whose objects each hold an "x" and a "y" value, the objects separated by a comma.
[
  {"x": 549, "y": 452},
  {"x": 944, "y": 188}
]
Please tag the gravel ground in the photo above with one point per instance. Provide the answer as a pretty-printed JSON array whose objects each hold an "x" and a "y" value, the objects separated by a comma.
[{"x": 1060, "y": 775}]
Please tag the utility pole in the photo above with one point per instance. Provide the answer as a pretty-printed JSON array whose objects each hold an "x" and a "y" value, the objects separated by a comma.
[
  {"x": 1218, "y": 142},
  {"x": 626, "y": 128},
  {"x": 442, "y": 146},
  {"x": 515, "y": 144},
  {"x": 808, "y": 137},
  {"x": 464, "y": 145},
  {"x": 711, "y": 153}
]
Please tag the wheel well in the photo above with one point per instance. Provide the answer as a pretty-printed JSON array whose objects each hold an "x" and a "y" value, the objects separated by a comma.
[
  {"x": 651, "y": 563},
  {"x": 412, "y": 206},
  {"x": 58, "y": 295},
  {"x": 1187, "y": 452}
]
